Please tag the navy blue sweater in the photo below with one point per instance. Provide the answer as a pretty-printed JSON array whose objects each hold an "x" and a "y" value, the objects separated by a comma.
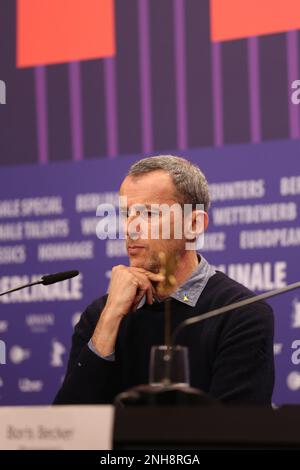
[{"x": 231, "y": 356}]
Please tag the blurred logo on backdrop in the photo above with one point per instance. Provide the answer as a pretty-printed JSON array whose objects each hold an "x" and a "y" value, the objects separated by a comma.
[
  {"x": 3, "y": 326},
  {"x": 293, "y": 381},
  {"x": 18, "y": 354},
  {"x": 28, "y": 385},
  {"x": 39, "y": 323},
  {"x": 277, "y": 348},
  {"x": 57, "y": 352},
  {"x": 296, "y": 314}
]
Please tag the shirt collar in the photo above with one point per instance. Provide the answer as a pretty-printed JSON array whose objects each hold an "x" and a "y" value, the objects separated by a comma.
[{"x": 189, "y": 292}]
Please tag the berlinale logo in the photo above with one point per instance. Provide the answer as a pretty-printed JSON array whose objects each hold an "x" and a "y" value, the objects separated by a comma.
[{"x": 2, "y": 92}]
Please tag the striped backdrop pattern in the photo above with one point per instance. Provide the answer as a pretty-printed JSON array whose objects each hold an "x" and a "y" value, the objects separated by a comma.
[{"x": 168, "y": 88}]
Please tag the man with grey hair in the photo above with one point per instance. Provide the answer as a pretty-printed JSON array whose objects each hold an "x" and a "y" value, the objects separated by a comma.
[{"x": 231, "y": 356}]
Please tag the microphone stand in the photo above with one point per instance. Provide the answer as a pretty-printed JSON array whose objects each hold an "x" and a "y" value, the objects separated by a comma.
[
  {"x": 168, "y": 341},
  {"x": 46, "y": 280},
  {"x": 229, "y": 308},
  {"x": 21, "y": 287}
]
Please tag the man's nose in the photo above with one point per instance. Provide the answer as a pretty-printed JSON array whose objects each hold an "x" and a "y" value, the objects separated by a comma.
[{"x": 132, "y": 228}]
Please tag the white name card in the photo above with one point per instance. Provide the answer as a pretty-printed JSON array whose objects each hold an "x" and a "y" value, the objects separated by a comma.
[{"x": 56, "y": 427}]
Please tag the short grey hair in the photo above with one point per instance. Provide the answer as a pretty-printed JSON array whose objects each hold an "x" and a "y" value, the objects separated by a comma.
[{"x": 189, "y": 181}]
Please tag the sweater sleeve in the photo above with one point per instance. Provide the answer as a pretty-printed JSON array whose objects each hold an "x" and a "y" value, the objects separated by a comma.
[
  {"x": 243, "y": 369},
  {"x": 89, "y": 379}
]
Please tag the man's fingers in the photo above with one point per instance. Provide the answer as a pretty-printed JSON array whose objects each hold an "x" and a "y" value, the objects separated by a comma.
[
  {"x": 142, "y": 279},
  {"x": 152, "y": 276},
  {"x": 147, "y": 290},
  {"x": 145, "y": 286},
  {"x": 137, "y": 299},
  {"x": 149, "y": 296}
]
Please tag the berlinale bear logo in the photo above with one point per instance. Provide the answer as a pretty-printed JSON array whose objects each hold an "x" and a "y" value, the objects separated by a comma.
[{"x": 58, "y": 350}]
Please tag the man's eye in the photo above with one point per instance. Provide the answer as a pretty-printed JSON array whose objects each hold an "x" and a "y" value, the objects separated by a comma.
[
  {"x": 146, "y": 213},
  {"x": 152, "y": 213}
]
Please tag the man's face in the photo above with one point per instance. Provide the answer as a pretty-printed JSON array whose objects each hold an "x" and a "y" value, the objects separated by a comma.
[{"x": 153, "y": 188}]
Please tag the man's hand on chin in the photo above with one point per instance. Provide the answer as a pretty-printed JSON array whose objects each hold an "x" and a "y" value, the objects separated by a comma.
[{"x": 128, "y": 285}]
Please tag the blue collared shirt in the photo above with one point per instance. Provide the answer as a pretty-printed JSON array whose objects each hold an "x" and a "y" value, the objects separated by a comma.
[{"x": 188, "y": 293}]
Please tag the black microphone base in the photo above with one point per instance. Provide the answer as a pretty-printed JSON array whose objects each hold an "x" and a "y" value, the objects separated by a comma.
[{"x": 164, "y": 395}]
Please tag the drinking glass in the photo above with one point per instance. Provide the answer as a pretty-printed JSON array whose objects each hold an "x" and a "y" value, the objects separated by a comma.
[{"x": 169, "y": 365}]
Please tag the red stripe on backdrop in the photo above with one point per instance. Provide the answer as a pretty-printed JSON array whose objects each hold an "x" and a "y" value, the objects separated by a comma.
[
  {"x": 235, "y": 19},
  {"x": 54, "y": 31}
]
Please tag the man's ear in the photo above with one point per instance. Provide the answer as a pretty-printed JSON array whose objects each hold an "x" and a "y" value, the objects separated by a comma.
[
  {"x": 200, "y": 221},
  {"x": 195, "y": 224}
]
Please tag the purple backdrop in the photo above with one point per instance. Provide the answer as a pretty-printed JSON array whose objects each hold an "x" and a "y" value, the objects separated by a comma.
[{"x": 36, "y": 325}]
